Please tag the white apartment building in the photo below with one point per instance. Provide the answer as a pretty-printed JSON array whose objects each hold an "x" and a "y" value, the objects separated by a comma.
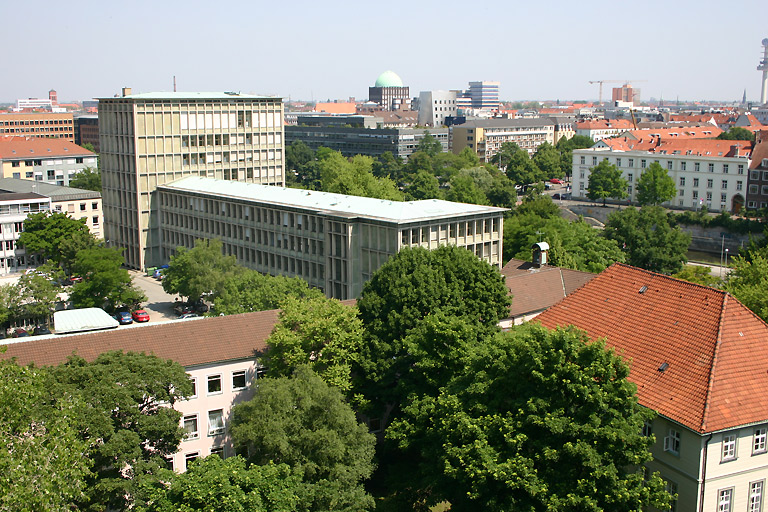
[
  {"x": 150, "y": 139},
  {"x": 435, "y": 106},
  {"x": 486, "y": 137},
  {"x": 334, "y": 242},
  {"x": 598, "y": 129},
  {"x": 14, "y": 208},
  {"x": 717, "y": 182}
]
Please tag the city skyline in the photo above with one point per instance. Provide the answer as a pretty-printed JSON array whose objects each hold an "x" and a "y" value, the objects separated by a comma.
[{"x": 334, "y": 50}]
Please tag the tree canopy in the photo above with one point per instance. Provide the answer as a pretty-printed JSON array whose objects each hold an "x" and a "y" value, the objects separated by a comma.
[
  {"x": 303, "y": 422},
  {"x": 105, "y": 283},
  {"x": 199, "y": 272},
  {"x": 354, "y": 176},
  {"x": 737, "y": 133},
  {"x": 87, "y": 179},
  {"x": 748, "y": 282},
  {"x": 648, "y": 239},
  {"x": 248, "y": 290},
  {"x": 47, "y": 233},
  {"x": 605, "y": 181},
  {"x": 536, "y": 420},
  {"x": 655, "y": 186}
]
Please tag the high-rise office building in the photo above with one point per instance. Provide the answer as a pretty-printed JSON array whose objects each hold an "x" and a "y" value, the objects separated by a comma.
[
  {"x": 484, "y": 95},
  {"x": 150, "y": 139}
]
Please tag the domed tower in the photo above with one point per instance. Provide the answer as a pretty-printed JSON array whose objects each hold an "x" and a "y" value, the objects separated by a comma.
[{"x": 389, "y": 92}]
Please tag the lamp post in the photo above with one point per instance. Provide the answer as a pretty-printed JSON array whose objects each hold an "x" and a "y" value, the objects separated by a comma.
[{"x": 726, "y": 262}]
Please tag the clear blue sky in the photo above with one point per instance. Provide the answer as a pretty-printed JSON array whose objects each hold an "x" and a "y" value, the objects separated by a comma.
[{"x": 691, "y": 49}]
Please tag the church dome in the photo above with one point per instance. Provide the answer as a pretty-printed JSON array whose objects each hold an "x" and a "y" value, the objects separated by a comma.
[{"x": 389, "y": 79}]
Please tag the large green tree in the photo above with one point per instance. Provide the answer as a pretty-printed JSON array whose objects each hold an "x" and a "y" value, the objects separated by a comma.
[
  {"x": 11, "y": 299},
  {"x": 464, "y": 190},
  {"x": 88, "y": 179},
  {"x": 536, "y": 420},
  {"x": 319, "y": 332},
  {"x": 40, "y": 291},
  {"x": 200, "y": 272},
  {"x": 655, "y": 186},
  {"x": 429, "y": 144},
  {"x": 354, "y": 177},
  {"x": 423, "y": 185},
  {"x": 128, "y": 420},
  {"x": 547, "y": 158},
  {"x": 43, "y": 461},
  {"x": 748, "y": 282},
  {"x": 249, "y": 290},
  {"x": 737, "y": 133},
  {"x": 648, "y": 239},
  {"x": 605, "y": 180},
  {"x": 105, "y": 283},
  {"x": 297, "y": 157},
  {"x": 303, "y": 422},
  {"x": 45, "y": 233}
]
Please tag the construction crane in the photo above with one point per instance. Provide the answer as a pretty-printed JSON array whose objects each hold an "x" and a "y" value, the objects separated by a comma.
[{"x": 601, "y": 82}]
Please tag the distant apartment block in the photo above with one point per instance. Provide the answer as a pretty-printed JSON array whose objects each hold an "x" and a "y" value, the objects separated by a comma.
[
  {"x": 597, "y": 129},
  {"x": 52, "y": 161},
  {"x": 87, "y": 131},
  {"x": 486, "y": 137},
  {"x": 484, "y": 95},
  {"x": 150, "y": 139},
  {"x": 435, "y": 106},
  {"x": 14, "y": 208},
  {"x": 43, "y": 124},
  {"x": 333, "y": 241}
]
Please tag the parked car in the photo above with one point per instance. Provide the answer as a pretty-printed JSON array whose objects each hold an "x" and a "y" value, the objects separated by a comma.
[
  {"x": 19, "y": 333},
  {"x": 188, "y": 315},
  {"x": 124, "y": 317},
  {"x": 556, "y": 181},
  {"x": 140, "y": 316},
  {"x": 40, "y": 330}
]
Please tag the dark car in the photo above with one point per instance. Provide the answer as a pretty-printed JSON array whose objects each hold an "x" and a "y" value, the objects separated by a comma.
[
  {"x": 140, "y": 315},
  {"x": 19, "y": 333},
  {"x": 124, "y": 317},
  {"x": 40, "y": 330}
]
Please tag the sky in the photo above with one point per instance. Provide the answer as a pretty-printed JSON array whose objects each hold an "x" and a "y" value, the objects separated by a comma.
[{"x": 335, "y": 49}]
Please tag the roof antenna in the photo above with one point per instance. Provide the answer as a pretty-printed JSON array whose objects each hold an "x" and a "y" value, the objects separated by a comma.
[{"x": 174, "y": 83}]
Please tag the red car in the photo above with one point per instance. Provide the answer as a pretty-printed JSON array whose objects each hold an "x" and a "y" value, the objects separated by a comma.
[
  {"x": 140, "y": 316},
  {"x": 556, "y": 181}
]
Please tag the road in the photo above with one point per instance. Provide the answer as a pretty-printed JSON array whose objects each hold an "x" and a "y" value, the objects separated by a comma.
[{"x": 159, "y": 304}]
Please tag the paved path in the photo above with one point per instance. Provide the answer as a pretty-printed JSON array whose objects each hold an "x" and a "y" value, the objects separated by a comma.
[{"x": 159, "y": 304}]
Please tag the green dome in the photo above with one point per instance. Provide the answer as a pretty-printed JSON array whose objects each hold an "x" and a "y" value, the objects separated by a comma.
[{"x": 389, "y": 79}]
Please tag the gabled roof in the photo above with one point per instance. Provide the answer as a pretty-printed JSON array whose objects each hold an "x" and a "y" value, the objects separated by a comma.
[
  {"x": 604, "y": 124},
  {"x": 189, "y": 342},
  {"x": 29, "y": 148},
  {"x": 715, "y": 349},
  {"x": 535, "y": 289}
]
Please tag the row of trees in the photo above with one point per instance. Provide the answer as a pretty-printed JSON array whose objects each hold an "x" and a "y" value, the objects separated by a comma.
[{"x": 654, "y": 186}]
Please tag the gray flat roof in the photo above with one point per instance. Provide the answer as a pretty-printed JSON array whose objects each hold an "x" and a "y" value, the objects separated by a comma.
[
  {"x": 170, "y": 95},
  {"x": 55, "y": 192},
  {"x": 333, "y": 204}
]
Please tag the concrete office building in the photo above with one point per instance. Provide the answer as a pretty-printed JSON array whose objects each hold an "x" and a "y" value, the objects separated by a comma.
[
  {"x": 149, "y": 139},
  {"x": 333, "y": 241},
  {"x": 43, "y": 124},
  {"x": 435, "y": 106},
  {"x": 486, "y": 137},
  {"x": 484, "y": 95}
]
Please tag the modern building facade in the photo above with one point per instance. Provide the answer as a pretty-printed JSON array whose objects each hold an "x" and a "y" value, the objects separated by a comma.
[
  {"x": 435, "y": 106},
  {"x": 46, "y": 160},
  {"x": 87, "y": 131},
  {"x": 486, "y": 137},
  {"x": 333, "y": 241},
  {"x": 79, "y": 204},
  {"x": 14, "y": 208},
  {"x": 703, "y": 178},
  {"x": 42, "y": 124},
  {"x": 389, "y": 92},
  {"x": 484, "y": 95},
  {"x": 147, "y": 140}
]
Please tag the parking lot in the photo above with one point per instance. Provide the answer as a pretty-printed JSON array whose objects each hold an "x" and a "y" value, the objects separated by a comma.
[{"x": 159, "y": 304}]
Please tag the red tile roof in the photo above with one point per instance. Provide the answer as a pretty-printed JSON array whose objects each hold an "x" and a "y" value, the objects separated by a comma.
[
  {"x": 715, "y": 348},
  {"x": 683, "y": 146},
  {"x": 189, "y": 342},
  {"x": 16, "y": 147},
  {"x": 687, "y": 132},
  {"x": 604, "y": 124}
]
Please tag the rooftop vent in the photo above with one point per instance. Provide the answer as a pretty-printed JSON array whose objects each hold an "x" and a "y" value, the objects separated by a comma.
[
  {"x": 643, "y": 289},
  {"x": 663, "y": 367}
]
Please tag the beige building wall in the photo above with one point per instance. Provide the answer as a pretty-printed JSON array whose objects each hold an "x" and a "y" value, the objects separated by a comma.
[
  {"x": 148, "y": 140},
  {"x": 88, "y": 209}
]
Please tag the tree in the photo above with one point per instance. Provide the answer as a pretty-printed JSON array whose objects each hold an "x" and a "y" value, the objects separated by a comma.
[
  {"x": 748, "y": 281},
  {"x": 605, "y": 180},
  {"x": 737, "y": 133},
  {"x": 464, "y": 190},
  {"x": 423, "y": 185},
  {"x": 655, "y": 186},
  {"x": 321, "y": 333},
  {"x": 105, "y": 283},
  {"x": 125, "y": 420},
  {"x": 304, "y": 423},
  {"x": 355, "y": 177},
  {"x": 10, "y": 304},
  {"x": 566, "y": 147},
  {"x": 230, "y": 486},
  {"x": 698, "y": 274},
  {"x": 249, "y": 290},
  {"x": 537, "y": 420},
  {"x": 410, "y": 286},
  {"x": 547, "y": 159},
  {"x": 88, "y": 179},
  {"x": 539, "y": 205},
  {"x": 45, "y": 232},
  {"x": 40, "y": 290},
  {"x": 43, "y": 462},
  {"x": 199, "y": 272},
  {"x": 429, "y": 144},
  {"x": 648, "y": 239},
  {"x": 522, "y": 170}
]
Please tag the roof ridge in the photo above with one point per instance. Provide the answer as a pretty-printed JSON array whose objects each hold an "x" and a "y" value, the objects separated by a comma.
[
  {"x": 688, "y": 283},
  {"x": 711, "y": 382}
]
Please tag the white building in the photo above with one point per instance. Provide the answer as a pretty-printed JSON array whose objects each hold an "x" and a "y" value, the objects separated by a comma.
[
  {"x": 14, "y": 208},
  {"x": 435, "y": 106}
]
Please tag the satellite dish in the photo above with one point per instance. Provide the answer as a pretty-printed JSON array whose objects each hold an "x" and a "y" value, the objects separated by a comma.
[{"x": 765, "y": 41}]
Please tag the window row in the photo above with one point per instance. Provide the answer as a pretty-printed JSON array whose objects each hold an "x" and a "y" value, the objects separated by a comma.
[
  {"x": 214, "y": 383},
  {"x": 669, "y": 164},
  {"x": 230, "y": 157},
  {"x": 215, "y": 426},
  {"x": 226, "y": 139},
  {"x": 755, "y": 492},
  {"x": 728, "y": 445}
]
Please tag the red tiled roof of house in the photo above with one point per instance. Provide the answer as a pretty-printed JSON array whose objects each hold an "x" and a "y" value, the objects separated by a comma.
[
  {"x": 17, "y": 147},
  {"x": 188, "y": 342},
  {"x": 687, "y": 132},
  {"x": 683, "y": 146},
  {"x": 336, "y": 107},
  {"x": 535, "y": 289},
  {"x": 604, "y": 124},
  {"x": 715, "y": 349}
]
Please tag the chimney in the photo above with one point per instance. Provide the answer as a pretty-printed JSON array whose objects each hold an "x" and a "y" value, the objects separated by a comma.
[
  {"x": 126, "y": 91},
  {"x": 540, "y": 254}
]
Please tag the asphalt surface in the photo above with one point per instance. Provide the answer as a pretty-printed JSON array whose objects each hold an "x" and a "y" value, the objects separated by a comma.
[{"x": 159, "y": 304}]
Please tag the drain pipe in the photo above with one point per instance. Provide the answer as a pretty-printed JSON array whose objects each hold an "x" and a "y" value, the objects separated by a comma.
[{"x": 704, "y": 473}]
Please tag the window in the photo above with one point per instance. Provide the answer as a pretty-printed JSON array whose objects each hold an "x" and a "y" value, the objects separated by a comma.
[
  {"x": 729, "y": 447},
  {"x": 758, "y": 442},
  {"x": 669, "y": 164},
  {"x": 630, "y": 177},
  {"x": 753, "y": 189},
  {"x": 594, "y": 160},
  {"x": 189, "y": 457},
  {"x": 741, "y": 169},
  {"x": 95, "y": 220},
  {"x": 672, "y": 442},
  {"x": 190, "y": 427},
  {"x": 643, "y": 163},
  {"x": 724, "y": 497},
  {"x": 94, "y": 206},
  {"x": 683, "y": 165},
  {"x": 582, "y": 160},
  {"x": 697, "y": 166},
  {"x": 218, "y": 450},
  {"x": 193, "y": 381},
  {"x": 682, "y": 181},
  {"x": 710, "y": 183},
  {"x": 724, "y": 185},
  {"x": 671, "y": 488},
  {"x": 215, "y": 422},
  {"x": 647, "y": 429},
  {"x": 631, "y": 162},
  {"x": 214, "y": 384},
  {"x": 711, "y": 167},
  {"x": 756, "y": 496},
  {"x": 681, "y": 192},
  {"x": 723, "y": 198},
  {"x": 238, "y": 379},
  {"x": 754, "y": 175},
  {"x": 739, "y": 185},
  {"x": 725, "y": 168},
  {"x": 695, "y": 182},
  {"x": 15, "y": 164}
]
